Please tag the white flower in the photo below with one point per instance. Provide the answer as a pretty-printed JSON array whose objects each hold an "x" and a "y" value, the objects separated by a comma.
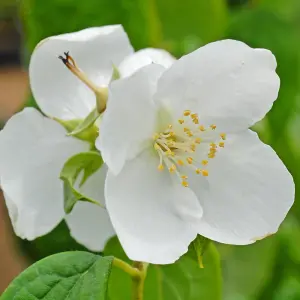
[
  {"x": 181, "y": 158},
  {"x": 33, "y": 148}
]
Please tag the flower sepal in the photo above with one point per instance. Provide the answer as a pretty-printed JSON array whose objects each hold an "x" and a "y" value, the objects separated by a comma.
[
  {"x": 116, "y": 74},
  {"x": 75, "y": 173},
  {"x": 83, "y": 129}
]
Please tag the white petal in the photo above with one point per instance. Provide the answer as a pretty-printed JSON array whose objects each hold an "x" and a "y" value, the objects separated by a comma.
[
  {"x": 145, "y": 57},
  {"x": 33, "y": 150},
  {"x": 153, "y": 215},
  {"x": 227, "y": 83},
  {"x": 129, "y": 119},
  {"x": 57, "y": 91},
  {"x": 250, "y": 192},
  {"x": 90, "y": 224}
]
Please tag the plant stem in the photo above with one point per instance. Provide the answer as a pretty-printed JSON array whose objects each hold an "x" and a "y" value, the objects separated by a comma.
[
  {"x": 138, "y": 282},
  {"x": 132, "y": 271}
]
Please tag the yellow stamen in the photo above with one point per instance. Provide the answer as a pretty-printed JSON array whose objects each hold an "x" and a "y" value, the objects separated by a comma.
[
  {"x": 204, "y": 172},
  {"x": 196, "y": 121},
  {"x": 201, "y": 128},
  {"x": 181, "y": 121},
  {"x": 189, "y": 160},
  {"x": 172, "y": 169},
  {"x": 204, "y": 162},
  {"x": 180, "y": 162},
  {"x": 213, "y": 145},
  {"x": 221, "y": 144},
  {"x": 197, "y": 140},
  {"x": 211, "y": 155},
  {"x": 186, "y": 113},
  {"x": 193, "y": 147},
  {"x": 213, "y": 126},
  {"x": 184, "y": 177},
  {"x": 223, "y": 136},
  {"x": 156, "y": 147},
  {"x": 185, "y": 183},
  {"x": 160, "y": 167},
  {"x": 194, "y": 116},
  {"x": 198, "y": 171},
  {"x": 185, "y": 129}
]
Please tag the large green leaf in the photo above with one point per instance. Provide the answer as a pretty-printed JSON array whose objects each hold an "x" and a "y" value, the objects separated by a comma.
[
  {"x": 183, "y": 280},
  {"x": 65, "y": 276}
]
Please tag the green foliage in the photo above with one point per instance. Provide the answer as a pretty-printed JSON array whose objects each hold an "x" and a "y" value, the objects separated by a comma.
[
  {"x": 86, "y": 162},
  {"x": 183, "y": 280},
  {"x": 64, "y": 276}
]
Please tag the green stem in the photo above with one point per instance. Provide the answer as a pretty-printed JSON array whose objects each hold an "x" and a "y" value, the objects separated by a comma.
[
  {"x": 132, "y": 271},
  {"x": 138, "y": 272},
  {"x": 138, "y": 282}
]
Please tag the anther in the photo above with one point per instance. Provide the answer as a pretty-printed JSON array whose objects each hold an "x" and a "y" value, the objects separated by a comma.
[
  {"x": 186, "y": 113},
  {"x": 180, "y": 162},
  {"x": 172, "y": 169},
  {"x": 194, "y": 116},
  {"x": 197, "y": 140},
  {"x": 204, "y": 162},
  {"x": 184, "y": 177},
  {"x": 223, "y": 136},
  {"x": 189, "y": 160},
  {"x": 196, "y": 121},
  {"x": 221, "y": 144},
  {"x": 198, "y": 171},
  {"x": 201, "y": 128},
  {"x": 185, "y": 183},
  {"x": 181, "y": 121},
  {"x": 213, "y": 126},
  {"x": 204, "y": 172},
  {"x": 160, "y": 167}
]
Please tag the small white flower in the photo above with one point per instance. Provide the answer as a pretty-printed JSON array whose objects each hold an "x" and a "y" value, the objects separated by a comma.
[
  {"x": 33, "y": 148},
  {"x": 181, "y": 158}
]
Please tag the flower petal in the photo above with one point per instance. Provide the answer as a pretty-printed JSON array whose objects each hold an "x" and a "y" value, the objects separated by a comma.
[
  {"x": 90, "y": 224},
  {"x": 151, "y": 212},
  {"x": 33, "y": 150},
  {"x": 130, "y": 116},
  {"x": 226, "y": 82},
  {"x": 57, "y": 91},
  {"x": 250, "y": 192},
  {"x": 145, "y": 57}
]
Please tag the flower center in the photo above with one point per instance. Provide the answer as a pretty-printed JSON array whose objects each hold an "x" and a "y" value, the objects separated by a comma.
[{"x": 187, "y": 144}]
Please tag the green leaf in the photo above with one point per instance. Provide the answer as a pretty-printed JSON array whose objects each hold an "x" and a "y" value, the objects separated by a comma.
[
  {"x": 198, "y": 248},
  {"x": 183, "y": 280},
  {"x": 86, "y": 162},
  {"x": 72, "y": 275},
  {"x": 86, "y": 124}
]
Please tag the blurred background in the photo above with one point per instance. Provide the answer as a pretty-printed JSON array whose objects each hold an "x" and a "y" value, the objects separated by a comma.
[{"x": 269, "y": 269}]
